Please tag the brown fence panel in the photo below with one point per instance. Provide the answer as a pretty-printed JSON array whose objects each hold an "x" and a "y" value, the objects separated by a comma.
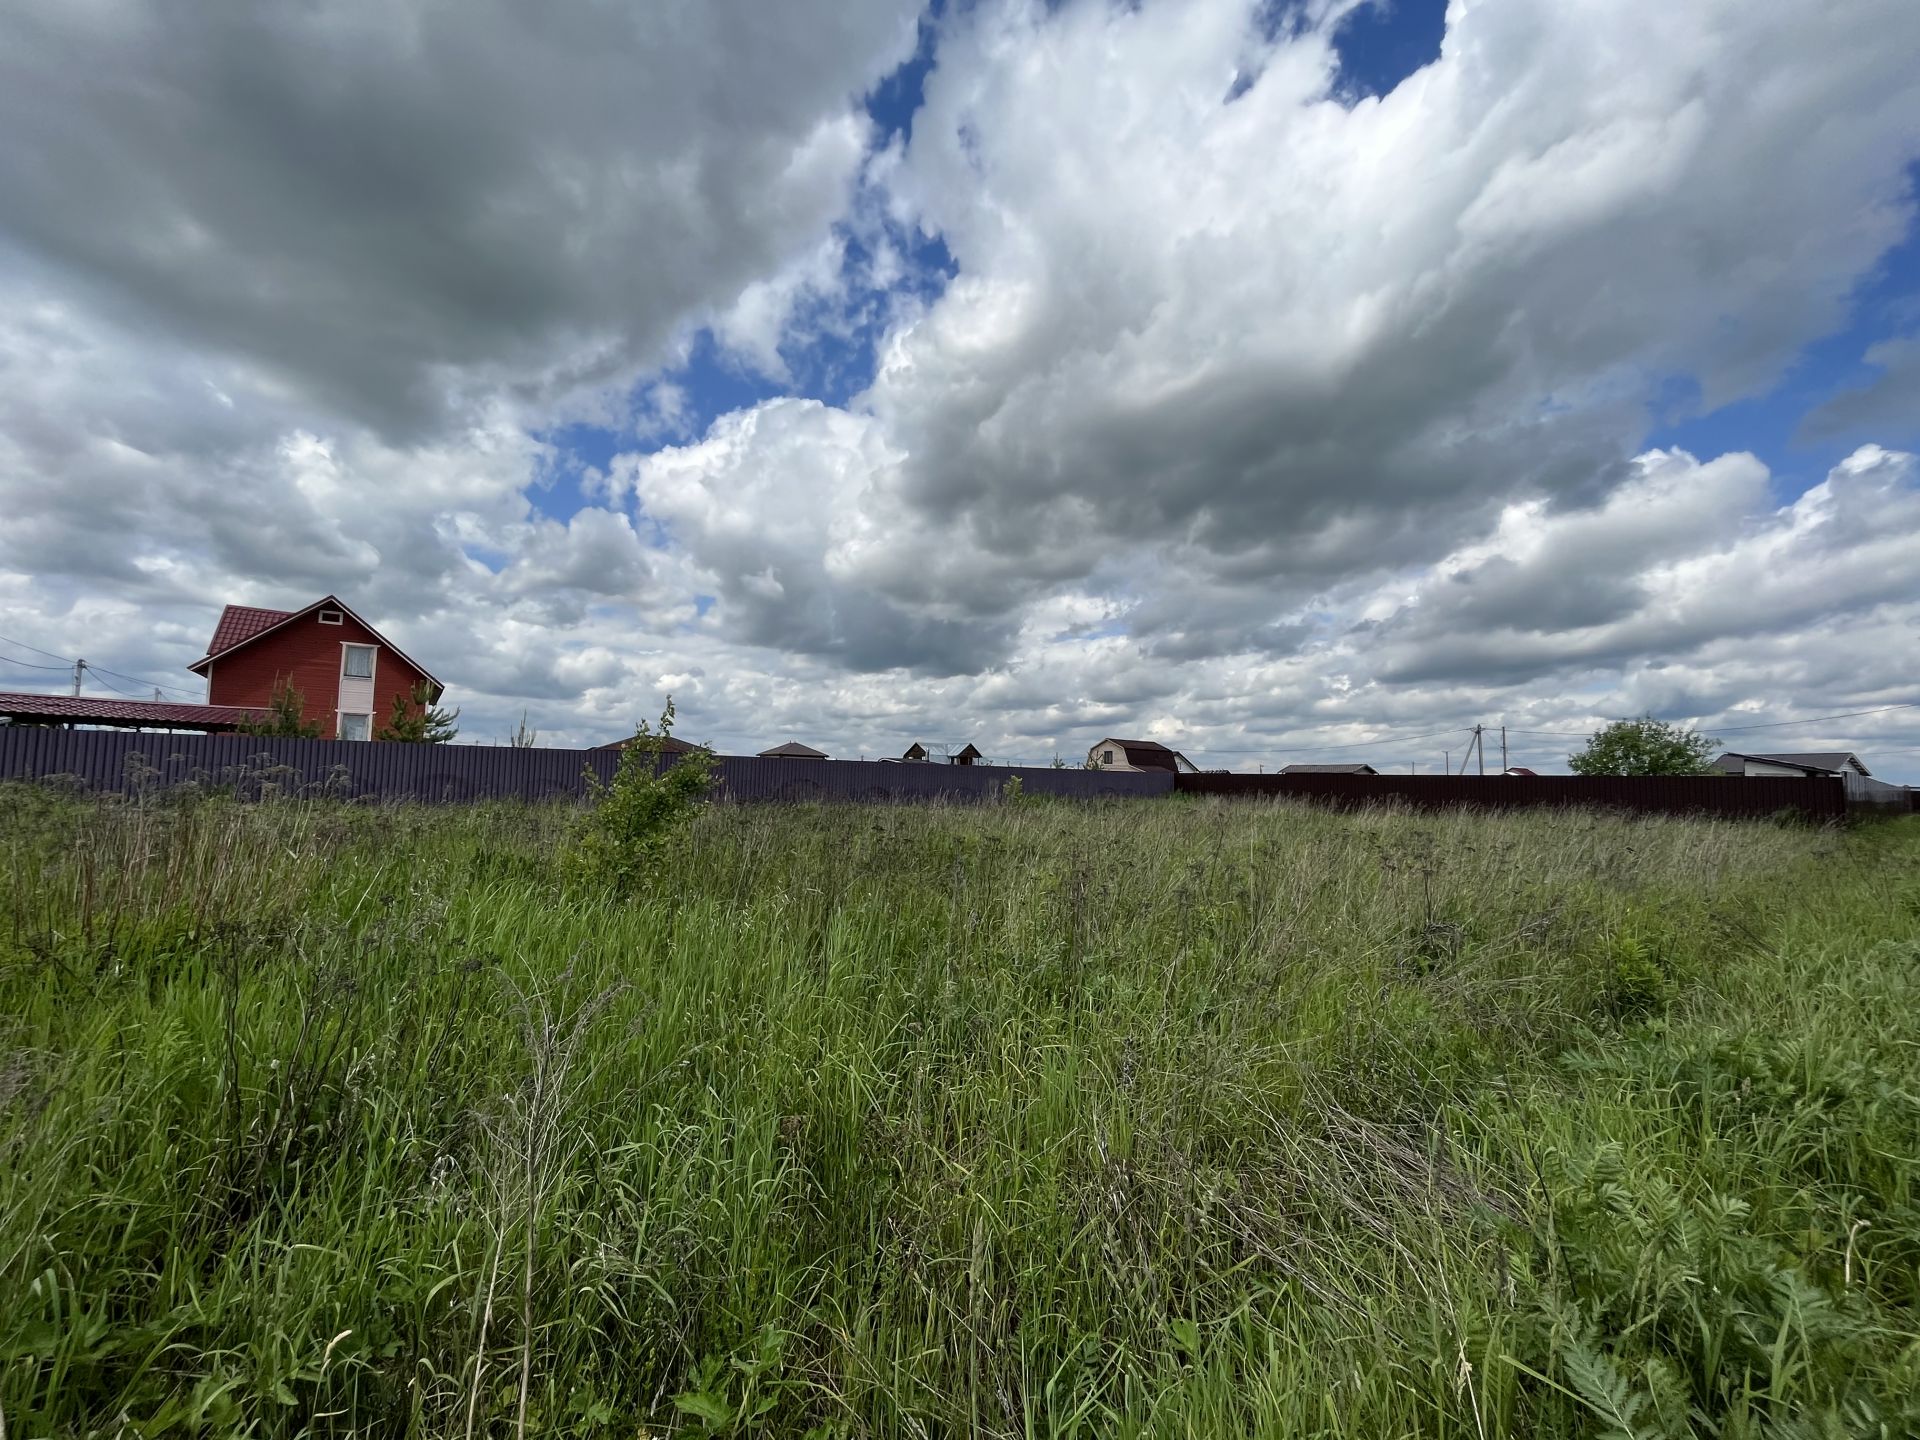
[
  {"x": 1733, "y": 795},
  {"x": 123, "y": 761},
  {"x": 749, "y": 778}
]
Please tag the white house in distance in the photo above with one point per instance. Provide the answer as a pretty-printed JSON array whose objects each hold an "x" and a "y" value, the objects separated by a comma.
[
  {"x": 1138, "y": 755},
  {"x": 1862, "y": 788},
  {"x": 1802, "y": 763}
]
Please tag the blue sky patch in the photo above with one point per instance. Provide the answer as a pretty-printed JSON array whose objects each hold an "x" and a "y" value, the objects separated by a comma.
[
  {"x": 1382, "y": 43},
  {"x": 1885, "y": 305}
]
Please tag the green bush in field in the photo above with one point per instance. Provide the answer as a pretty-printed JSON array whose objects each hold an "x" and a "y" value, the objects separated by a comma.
[
  {"x": 1149, "y": 1119},
  {"x": 635, "y": 817}
]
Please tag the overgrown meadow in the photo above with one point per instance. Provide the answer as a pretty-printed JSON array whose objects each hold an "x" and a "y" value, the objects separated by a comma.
[{"x": 1148, "y": 1119}]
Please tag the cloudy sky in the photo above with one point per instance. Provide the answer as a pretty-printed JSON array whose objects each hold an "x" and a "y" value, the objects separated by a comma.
[{"x": 1267, "y": 379}]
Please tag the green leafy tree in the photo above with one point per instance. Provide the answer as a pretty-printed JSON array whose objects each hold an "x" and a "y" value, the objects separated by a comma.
[
  {"x": 285, "y": 717},
  {"x": 416, "y": 720},
  {"x": 1644, "y": 747},
  {"x": 653, "y": 796}
]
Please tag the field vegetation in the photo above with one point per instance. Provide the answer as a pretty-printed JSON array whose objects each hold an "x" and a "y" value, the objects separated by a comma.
[{"x": 1148, "y": 1119}]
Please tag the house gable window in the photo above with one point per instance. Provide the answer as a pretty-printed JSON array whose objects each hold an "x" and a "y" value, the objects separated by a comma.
[
  {"x": 1106, "y": 757},
  {"x": 357, "y": 662},
  {"x": 355, "y": 727},
  {"x": 331, "y": 617}
]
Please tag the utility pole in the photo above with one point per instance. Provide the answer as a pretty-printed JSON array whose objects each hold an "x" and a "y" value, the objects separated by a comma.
[
  {"x": 1479, "y": 748},
  {"x": 1503, "y": 750},
  {"x": 79, "y": 668},
  {"x": 1446, "y": 757}
]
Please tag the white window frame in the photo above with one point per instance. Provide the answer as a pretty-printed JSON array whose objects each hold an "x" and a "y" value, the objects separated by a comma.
[
  {"x": 346, "y": 715},
  {"x": 332, "y": 617},
  {"x": 347, "y": 647},
  {"x": 1106, "y": 755}
]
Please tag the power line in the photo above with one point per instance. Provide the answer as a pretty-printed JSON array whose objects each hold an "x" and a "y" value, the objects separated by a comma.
[
  {"x": 113, "y": 687},
  {"x": 8, "y": 660},
  {"x": 1556, "y": 734},
  {"x": 1356, "y": 745},
  {"x": 1769, "y": 725},
  {"x": 91, "y": 669},
  {"x": 142, "y": 680},
  {"x": 1815, "y": 720},
  {"x": 37, "y": 650}
]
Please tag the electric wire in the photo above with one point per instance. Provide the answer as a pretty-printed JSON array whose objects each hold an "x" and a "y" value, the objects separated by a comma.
[
  {"x": 1355, "y": 745},
  {"x": 1734, "y": 729},
  {"x": 8, "y": 660},
  {"x": 91, "y": 669}
]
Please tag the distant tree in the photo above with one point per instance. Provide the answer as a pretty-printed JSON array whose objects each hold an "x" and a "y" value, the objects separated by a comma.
[
  {"x": 417, "y": 721},
  {"x": 1644, "y": 747},
  {"x": 285, "y": 717},
  {"x": 523, "y": 737}
]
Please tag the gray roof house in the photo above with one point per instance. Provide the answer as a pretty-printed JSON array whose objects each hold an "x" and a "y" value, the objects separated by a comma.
[
  {"x": 793, "y": 750},
  {"x": 1862, "y": 789},
  {"x": 1329, "y": 770},
  {"x": 1803, "y": 762}
]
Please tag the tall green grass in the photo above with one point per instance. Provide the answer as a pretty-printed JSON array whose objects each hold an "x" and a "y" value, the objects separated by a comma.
[{"x": 1149, "y": 1120}]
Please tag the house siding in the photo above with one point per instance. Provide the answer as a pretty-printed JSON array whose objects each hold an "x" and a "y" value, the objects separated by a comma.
[
  {"x": 307, "y": 655},
  {"x": 1784, "y": 772},
  {"x": 1176, "y": 762},
  {"x": 1120, "y": 764}
]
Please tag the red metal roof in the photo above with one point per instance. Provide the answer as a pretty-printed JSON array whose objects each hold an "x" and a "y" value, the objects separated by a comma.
[
  {"x": 250, "y": 624},
  {"x": 243, "y": 622},
  {"x": 87, "y": 710}
]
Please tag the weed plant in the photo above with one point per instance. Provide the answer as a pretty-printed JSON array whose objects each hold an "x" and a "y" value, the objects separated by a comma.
[{"x": 1149, "y": 1119}]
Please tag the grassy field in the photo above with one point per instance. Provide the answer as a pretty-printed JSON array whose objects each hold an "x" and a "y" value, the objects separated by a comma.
[{"x": 1152, "y": 1119}]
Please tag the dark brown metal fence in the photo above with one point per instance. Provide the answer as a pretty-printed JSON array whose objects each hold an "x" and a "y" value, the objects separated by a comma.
[
  {"x": 121, "y": 761},
  {"x": 1732, "y": 795}
]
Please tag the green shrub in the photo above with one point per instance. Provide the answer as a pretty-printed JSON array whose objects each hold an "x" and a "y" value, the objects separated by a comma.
[
  {"x": 416, "y": 720},
  {"x": 1638, "y": 982},
  {"x": 636, "y": 818},
  {"x": 284, "y": 718}
]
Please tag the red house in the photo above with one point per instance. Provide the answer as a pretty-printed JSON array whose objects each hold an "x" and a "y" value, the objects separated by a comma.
[{"x": 347, "y": 673}]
